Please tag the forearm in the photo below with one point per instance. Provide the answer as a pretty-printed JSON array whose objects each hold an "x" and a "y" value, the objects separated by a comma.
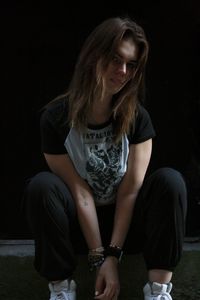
[
  {"x": 123, "y": 216},
  {"x": 89, "y": 223},
  {"x": 139, "y": 156},
  {"x": 87, "y": 215}
]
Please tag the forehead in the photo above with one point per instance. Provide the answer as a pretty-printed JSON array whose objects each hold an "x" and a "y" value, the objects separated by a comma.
[{"x": 127, "y": 49}]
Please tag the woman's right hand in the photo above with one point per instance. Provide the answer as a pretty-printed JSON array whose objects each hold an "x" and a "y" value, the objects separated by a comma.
[{"x": 107, "y": 286}]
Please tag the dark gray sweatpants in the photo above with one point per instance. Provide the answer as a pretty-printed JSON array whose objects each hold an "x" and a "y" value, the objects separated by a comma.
[{"x": 157, "y": 228}]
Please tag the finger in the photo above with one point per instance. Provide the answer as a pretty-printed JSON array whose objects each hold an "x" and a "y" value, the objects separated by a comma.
[
  {"x": 107, "y": 294},
  {"x": 112, "y": 291},
  {"x": 99, "y": 285}
]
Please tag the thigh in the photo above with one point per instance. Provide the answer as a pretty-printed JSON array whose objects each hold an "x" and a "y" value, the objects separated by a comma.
[{"x": 45, "y": 188}]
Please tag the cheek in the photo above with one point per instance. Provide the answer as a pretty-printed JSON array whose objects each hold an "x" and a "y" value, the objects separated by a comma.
[
  {"x": 131, "y": 74},
  {"x": 109, "y": 70},
  {"x": 108, "y": 74}
]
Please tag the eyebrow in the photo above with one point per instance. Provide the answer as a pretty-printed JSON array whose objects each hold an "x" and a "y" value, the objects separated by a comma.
[{"x": 130, "y": 61}]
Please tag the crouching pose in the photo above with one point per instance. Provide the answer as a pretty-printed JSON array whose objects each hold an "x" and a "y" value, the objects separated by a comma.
[{"x": 97, "y": 142}]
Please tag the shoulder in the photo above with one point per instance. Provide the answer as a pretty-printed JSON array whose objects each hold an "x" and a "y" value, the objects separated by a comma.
[
  {"x": 141, "y": 112},
  {"x": 55, "y": 111},
  {"x": 142, "y": 117},
  {"x": 54, "y": 127},
  {"x": 142, "y": 128},
  {"x": 56, "y": 107}
]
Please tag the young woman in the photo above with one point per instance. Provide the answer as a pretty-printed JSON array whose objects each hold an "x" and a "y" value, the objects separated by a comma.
[{"x": 97, "y": 142}]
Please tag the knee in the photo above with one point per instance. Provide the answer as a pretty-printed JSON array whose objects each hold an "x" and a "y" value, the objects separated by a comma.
[
  {"x": 35, "y": 193},
  {"x": 171, "y": 179},
  {"x": 40, "y": 194},
  {"x": 40, "y": 183},
  {"x": 46, "y": 190},
  {"x": 42, "y": 189},
  {"x": 173, "y": 183}
]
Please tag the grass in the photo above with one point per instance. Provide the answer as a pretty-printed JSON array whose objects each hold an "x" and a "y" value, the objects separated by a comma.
[{"x": 19, "y": 280}]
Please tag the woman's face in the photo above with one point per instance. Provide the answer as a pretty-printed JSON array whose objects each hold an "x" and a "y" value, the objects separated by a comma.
[{"x": 122, "y": 67}]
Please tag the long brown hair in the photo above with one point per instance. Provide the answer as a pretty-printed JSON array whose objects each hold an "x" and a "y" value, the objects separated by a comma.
[{"x": 87, "y": 83}]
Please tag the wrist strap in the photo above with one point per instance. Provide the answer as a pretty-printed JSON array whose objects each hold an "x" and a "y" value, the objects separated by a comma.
[{"x": 113, "y": 251}]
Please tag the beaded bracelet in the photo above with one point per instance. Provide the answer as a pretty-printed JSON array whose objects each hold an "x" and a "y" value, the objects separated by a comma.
[
  {"x": 95, "y": 258},
  {"x": 96, "y": 250}
]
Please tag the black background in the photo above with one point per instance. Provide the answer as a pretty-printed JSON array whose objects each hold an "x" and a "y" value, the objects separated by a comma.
[{"x": 40, "y": 44}]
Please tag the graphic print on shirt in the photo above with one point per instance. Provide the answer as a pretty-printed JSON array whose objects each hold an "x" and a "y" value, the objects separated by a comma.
[
  {"x": 103, "y": 166},
  {"x": 98, "y": 160}
]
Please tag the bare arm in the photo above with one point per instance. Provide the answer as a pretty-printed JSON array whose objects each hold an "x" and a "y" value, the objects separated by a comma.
[
  {"x": 62, "y": 166},
  {"x": 138, "y": 161}
]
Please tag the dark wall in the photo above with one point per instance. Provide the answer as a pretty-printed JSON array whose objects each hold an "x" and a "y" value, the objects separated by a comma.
[{"x": 39, "y": 49}]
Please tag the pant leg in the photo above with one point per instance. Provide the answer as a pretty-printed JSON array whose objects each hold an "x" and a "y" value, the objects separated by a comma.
[
  {"x": 159, "y": 219},
  {"x": 50, "y": 211}
]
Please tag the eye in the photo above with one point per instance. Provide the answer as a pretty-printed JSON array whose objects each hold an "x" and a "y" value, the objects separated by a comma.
[
  {"x": 132, "y": 65},
  {"x": 116, "y": 60}
]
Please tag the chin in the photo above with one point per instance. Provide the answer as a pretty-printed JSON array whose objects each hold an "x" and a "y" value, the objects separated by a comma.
[
  {"x": 114, "y": 89},
  {"x": 118, "y": 89}
]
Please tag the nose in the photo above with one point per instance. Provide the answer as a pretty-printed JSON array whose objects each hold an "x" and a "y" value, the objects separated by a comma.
[{"x": 123, "y": 68}]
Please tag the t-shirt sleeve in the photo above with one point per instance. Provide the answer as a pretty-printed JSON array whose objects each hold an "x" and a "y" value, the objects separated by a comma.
[
  {"x": 51, "y": 140},
  {"x": 143, "y": 129}
]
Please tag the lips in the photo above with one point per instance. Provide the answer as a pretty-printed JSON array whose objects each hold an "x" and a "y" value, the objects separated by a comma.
[{"x": 117, "y": 81}]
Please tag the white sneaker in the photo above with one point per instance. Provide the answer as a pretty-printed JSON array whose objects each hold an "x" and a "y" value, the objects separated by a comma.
[
  {"x": 157, "y": 291},
  {"x": 64, "y": 290}
]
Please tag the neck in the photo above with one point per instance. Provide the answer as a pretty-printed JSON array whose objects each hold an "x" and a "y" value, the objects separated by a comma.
[{"x": 101, "y": 111}]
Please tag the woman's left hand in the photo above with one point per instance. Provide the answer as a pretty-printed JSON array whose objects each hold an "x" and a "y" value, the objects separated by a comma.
[{"x": 107, "y": 286}]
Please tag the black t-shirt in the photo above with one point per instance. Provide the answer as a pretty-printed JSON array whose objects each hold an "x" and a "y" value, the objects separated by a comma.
[{"x": 96, "y": 158}]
